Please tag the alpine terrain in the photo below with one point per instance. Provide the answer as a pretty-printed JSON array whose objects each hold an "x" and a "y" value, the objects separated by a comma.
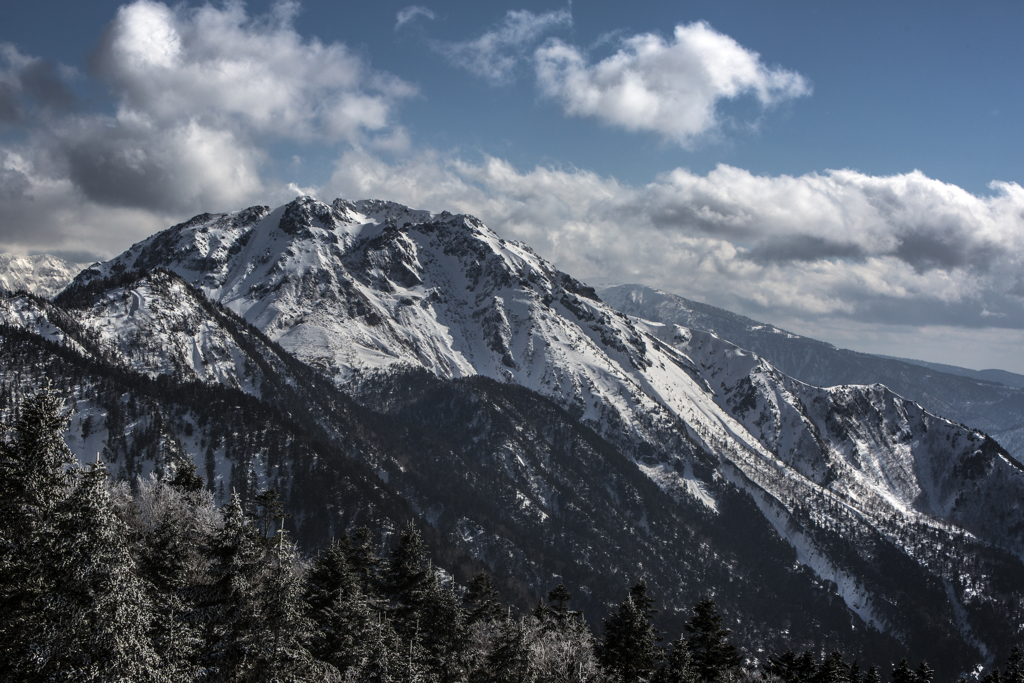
[{"x": 375, "y": 363}]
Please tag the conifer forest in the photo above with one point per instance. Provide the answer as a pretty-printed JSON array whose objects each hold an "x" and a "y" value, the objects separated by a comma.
[{"x": 152, "y": 581}]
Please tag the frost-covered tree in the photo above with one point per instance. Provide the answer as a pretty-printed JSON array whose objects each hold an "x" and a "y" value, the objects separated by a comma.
[
  {"x": 97, "y": 606},
  {"x": 72, "y": 606}
]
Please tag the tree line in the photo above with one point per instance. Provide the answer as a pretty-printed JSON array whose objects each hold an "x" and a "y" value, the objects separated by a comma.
[{"x": 100, "y": 582}]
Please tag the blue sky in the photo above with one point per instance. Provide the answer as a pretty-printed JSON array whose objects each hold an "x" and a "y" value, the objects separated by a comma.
[{"x": 850, "y": 171}]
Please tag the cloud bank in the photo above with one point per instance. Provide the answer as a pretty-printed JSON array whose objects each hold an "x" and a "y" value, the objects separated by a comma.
[
  {"x": 904, "y": 249},
  {"x": 200, "y": 95},
  {"x": 670, "y": 87}
]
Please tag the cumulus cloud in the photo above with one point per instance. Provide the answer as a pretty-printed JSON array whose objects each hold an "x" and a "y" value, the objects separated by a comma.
[
  {"x": 229, "y": 70},
  {"x": 201, "y": 96},
  {"x": 904, "y": 249},
  {"x": 495, "y": 55},
  {"x": 411, "y": 12},
  {"x": 671, "y": 87}
]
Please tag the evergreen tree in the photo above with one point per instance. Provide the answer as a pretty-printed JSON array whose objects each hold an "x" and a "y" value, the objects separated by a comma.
[
  {"x": 363, "y": 558},
  {"x": 855, "y": 676},
  {"x": 924, "y": 673},
  {"x": 445, "y": 635},
  {"x": 35, "y": 477},
  {"x": 408, "y": 579},
  {"x": 678, "y": 667},
  {"x": 784, "y": 667},
  {"x": 1015, "y": 666},
  {"x": 630, "y": 651},
  {"x": 172, "y": 565},
  {"x": 558, "y": 598},
  {"x": 902, "y": 673},
  {"x": 873, "y": 675},
  {"x": 339, "y": 609},
  {"x": 231, "y": 609},
  {"x": 97, "y": 605},
  {"x": 642, "y": 600},
  {"x": 481, "y": 600},
  {"x": 284, "y": 624},
  {"x": 185, "y": 478},
  {"x": 387, "y": 659},
  {"x": 713, "y": 655},
  {"x": 509, "y": 661},
  {"x": 269, "y": 512},
  {"x": 833, "y": 670}
]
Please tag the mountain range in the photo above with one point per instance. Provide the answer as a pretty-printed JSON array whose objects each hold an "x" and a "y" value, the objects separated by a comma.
[{"x": 375, "y": 363}]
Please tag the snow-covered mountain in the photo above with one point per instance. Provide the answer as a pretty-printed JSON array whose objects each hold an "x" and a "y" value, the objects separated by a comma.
[
  {"x": 876, "y": 496},
  {"x": 992, "y": 401},
  {"x": 40, "y": 274}
]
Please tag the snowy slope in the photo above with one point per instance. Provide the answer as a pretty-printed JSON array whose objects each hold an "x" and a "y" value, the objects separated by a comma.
[
  {"x": 989, "y": 400},
  {"x": 40, "y": 274},
  {"x": 878, "y": 452}
]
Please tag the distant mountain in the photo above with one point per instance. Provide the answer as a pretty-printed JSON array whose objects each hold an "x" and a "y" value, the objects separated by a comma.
[
  {"x": 539, "y": 431},
  {"x": 1010, "y": 379},
  {"x": 40, "y": 274},
  {"x": 989, "y": 400}
]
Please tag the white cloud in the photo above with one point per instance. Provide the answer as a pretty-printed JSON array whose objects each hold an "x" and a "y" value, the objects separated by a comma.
[
  {"x": 496, "y": 53},
  {"x": 201, "y": 96},
  {"x": 668, "y": 87},
  {"x": 229, "y": 70},
  {"x": 905, "y": 249},
  {"x": 411, "y": 12}
]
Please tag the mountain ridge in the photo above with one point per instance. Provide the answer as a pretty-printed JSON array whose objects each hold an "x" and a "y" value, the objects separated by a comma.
[{"x": 365, "y": 293}]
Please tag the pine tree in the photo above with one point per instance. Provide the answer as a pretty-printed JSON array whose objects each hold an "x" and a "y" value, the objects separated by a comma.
[
  {"x": 408, "y": 579},
  {"x": 509, "y": 661},
  {"x": 367, "y": 565},
  {"x": 784, "y": 667},
  {"x": 873, "y": 675},
  {"x": 924, "y": 673},
  {"x": 855, "y": 676},
  {"x": 388, "y": 659},
  {"x": 678, "y": 667},
  {"x": 35, "y": 477},
  {"x": 230, "y": 604},
  {"x": 902, "y": 673},
  {"x": 98, "y": 606},
  {"x": 559, "y": 598},
  {"x": 713, "y": 654},
  {"x": 1015, "y": 666},
  {"x": 172, "y": 565},
  {"x": 630, "y": 651},
  {"x": 285, "y": 627},
  {"x": 73, "y": 607},
  {"x": 445, "y": 635},
  {"x": 269, "y": 512},
  {"x": 833, "y": 670},
  {"x": 481, "y": 600},
  {"x": 339, "y": 609}
]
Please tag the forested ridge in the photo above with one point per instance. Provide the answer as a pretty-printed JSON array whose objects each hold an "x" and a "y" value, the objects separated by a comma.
[{"x": 102, "y": 581}]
